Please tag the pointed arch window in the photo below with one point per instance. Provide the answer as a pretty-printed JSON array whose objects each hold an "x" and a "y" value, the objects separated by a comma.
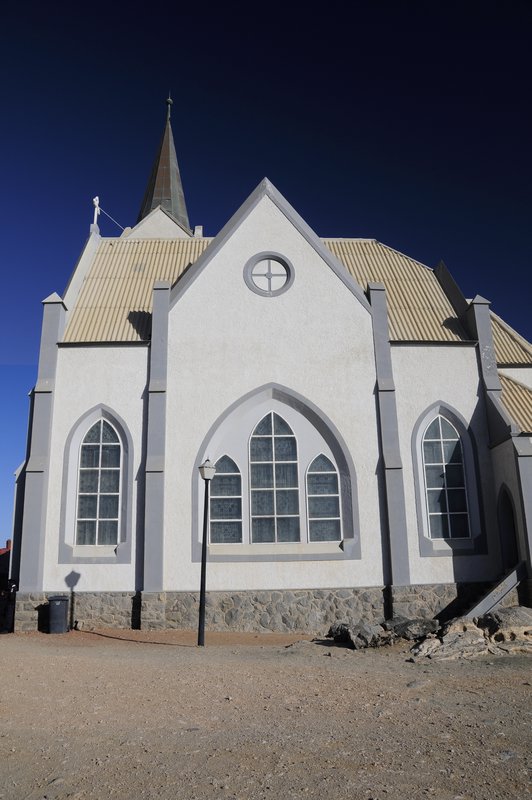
[
  {"x": 445, "y": 481},
  {"x": 226, "y": 503},
  {"x": 99, "y": 486},
  {"x": 274, "y": 481},
  {"x": 323, "y": 498}
]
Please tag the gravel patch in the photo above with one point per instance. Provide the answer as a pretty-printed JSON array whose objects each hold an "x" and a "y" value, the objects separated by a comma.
[{"x": 140, "y": 714}]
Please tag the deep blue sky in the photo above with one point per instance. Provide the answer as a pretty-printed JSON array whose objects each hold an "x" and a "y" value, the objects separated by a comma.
[{"x": 409, "y": 122}]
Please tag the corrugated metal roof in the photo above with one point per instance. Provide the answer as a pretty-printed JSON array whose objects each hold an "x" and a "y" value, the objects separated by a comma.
[
  {"x": 115, "y": 301},
  {"x": 418, "y": 309},
  {"x": 517, "y": 399},
  {"x": 114, "y": 304},
  {"x": 510, "y": 348}
]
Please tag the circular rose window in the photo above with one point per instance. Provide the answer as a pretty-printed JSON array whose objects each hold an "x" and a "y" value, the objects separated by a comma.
[{"x": 268, "y": 274}]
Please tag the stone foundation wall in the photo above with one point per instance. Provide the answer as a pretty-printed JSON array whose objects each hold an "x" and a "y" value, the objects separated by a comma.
[
  {"x": 429, "y": 600},
  {"x": 302, "y": 611},
  {"x": 27, "y": 610},
  {"x": 91, "y": 609}
]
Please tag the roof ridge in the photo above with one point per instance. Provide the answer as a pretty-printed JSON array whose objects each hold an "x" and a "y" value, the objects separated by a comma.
[
  {"x": 512, "y": 332},
  {"x": 347, "y": 239},
  {"x": 404, "y": 255},
  {"x": 510, "y": 378}
]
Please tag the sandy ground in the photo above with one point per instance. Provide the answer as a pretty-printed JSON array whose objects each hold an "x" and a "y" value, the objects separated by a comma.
[{"x": 149, "y": 715}]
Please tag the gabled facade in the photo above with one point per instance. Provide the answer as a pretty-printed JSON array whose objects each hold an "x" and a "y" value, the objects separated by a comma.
[{"x": 369, "y": 426}]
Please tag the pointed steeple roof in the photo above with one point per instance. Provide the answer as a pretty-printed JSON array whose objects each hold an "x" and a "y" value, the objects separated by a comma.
[{"x": 164, "y": 187}]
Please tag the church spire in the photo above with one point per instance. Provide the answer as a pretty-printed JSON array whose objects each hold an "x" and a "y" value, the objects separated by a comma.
[{"x": 164, "y": 187}]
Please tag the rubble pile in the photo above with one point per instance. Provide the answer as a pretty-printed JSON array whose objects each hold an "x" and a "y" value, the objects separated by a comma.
[
  {"x": 360, "y": 634},
  {"x": 500, "y": 632}
]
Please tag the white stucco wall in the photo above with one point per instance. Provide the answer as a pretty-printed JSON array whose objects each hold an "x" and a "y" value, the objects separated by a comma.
[
  {"x": 88, "y": 377},
  {"x": 158, "y": 225},
  {"x": 424, "y": 376},
  {"x": 226, "y": 341}
]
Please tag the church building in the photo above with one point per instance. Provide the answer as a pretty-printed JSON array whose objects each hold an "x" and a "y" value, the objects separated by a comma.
[{"x": 370, "y": 428}]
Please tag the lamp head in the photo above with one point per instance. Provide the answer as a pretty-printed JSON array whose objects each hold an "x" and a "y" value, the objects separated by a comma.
[{"x": 207, "y": 470}]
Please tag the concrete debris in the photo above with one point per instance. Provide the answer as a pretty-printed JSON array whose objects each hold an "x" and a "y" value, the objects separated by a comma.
[
  {"x": 503, "y": 631},
  {"x": 508, "y": 624}
]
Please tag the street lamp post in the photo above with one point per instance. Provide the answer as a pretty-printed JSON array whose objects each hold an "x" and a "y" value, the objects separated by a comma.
[{"x": 207, "y": 472}]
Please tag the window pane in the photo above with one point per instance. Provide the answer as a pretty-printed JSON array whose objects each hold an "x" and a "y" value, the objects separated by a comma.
[
  {"x": 88, "y": 480},
  {"x": 261, "y": 476},
  {"x": 90, "y": 455},
  {"x": 108, "y": 532},
  {"x": 264, "y": 427},
  {"x": 287, "y": 501},
  {"x": 262, "y": 503},
  {"x": 263, "y": 530},
  {"x": 87, "y": 505},
  {"x": 273, "y": 446},
  {"x": 94, "y": 433},
  {"x": 286, "y": 476},
  {"x": 261, "y": 282},
  {"x": 110, "y": 455},
  {"x": 459, "y": 526},
  {"x": 454, "y": 475},
  {"x": 322, "y": 484},
  {"x": 277, "y": 282},
  {"x": 226, "y": 485},
  {"x": 323, "y": 507},
  {"x": 437, "y": 500},
  {"x": 452, "y": 452},
  {"x": 225, "y": 508},
  {"x": 448, "y": 508},
  {"x": 108, "y": 433},
  {"x": 432, "y": 452},
  {"x": 324, "y": 530},
  {"x": 288, "y": 529},
  {"x": 86, "y": 533},
  {"x": 433, "y": 431},
  {"x": 262, "y": 267},
  {"x": 226, "y": 464},
  {"x": 457, "y": 500},
  {"x": 322, "y": 464},
  {"x": 226, "y": 532},
  {"x": 261, "y": 449},
  {"x": 285, "y": 448},
  {"x": 110, "y": 480},
  {"x": 438, "y": 527},
  {"x": 280, "y": 426},
  {"x": 434, "y": 477},
  {"x": 108, "y": 506},
  {"x": 448, "y": 431}
]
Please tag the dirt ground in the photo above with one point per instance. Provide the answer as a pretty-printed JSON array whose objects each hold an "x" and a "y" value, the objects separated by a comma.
[{"x": 127, "y": 715}]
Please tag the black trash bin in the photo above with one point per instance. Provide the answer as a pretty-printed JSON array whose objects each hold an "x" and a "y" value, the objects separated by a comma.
[{"x": 58, "y": 613}]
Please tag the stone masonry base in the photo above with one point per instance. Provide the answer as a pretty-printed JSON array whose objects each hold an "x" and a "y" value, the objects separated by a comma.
[{"x": 302, "y": 610}]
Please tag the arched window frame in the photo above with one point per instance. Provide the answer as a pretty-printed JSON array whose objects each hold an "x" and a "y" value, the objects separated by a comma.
[
  {"x": 105, "y": 462},
  {"x": 476, "y": 542},
  {"x": 310, "y": 495},
  {"x": 228, "y": 518},
  {"x": 315, "y": 433},
  {"x": 69, "y": 551},
  {"x": 286, "y": 521}
]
